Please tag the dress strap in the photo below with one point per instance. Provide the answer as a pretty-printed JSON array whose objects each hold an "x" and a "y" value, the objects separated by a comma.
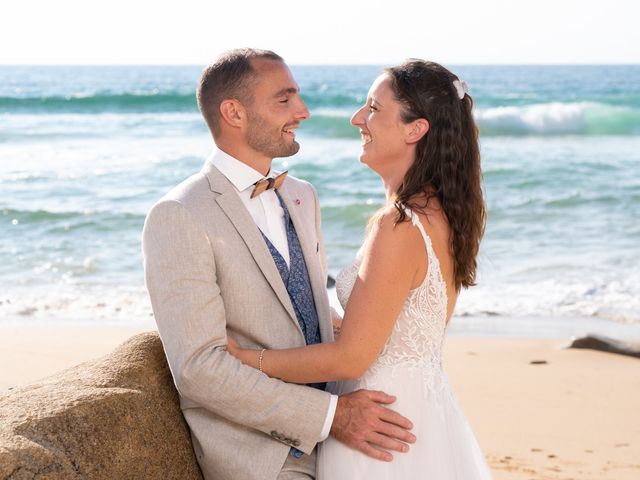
[{"x": 416, "y": 222}]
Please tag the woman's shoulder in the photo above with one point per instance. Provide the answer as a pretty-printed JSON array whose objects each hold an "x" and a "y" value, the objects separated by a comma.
[
  {"x": 391, "y": 229},
  {"x": 389, "y": 217},
  {"x": 395, "y": 247}
]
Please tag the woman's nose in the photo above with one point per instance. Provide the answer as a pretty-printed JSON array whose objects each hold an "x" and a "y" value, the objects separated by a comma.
[{"x": 357, "y": 119}]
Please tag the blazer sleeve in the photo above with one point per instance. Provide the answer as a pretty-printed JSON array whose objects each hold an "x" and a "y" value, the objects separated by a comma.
[{"x": 180, "y": 275}]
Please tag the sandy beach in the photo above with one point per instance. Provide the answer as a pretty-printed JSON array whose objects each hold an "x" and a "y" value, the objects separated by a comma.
[
  {"x": 573, "y": 417},
  {"x": 571, "y": 414}
]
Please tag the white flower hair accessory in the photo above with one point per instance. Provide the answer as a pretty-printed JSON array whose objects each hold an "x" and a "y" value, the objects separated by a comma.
[{"x": 461, "y": 88}]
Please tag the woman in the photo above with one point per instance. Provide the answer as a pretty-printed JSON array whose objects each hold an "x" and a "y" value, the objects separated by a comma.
[{"x": 419, "y": 136}]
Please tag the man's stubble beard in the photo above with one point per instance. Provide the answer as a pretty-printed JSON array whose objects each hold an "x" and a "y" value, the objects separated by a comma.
[{"x": 262, "y": 138}]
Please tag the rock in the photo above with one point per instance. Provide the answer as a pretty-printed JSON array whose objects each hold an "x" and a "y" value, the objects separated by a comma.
[
  {"x": 117, "y": 417},
  {"x": 606, "y": 344}
]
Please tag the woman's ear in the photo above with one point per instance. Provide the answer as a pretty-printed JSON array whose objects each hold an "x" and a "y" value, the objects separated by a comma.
[
  {"x": 416, "y": 130},
  {"x": 232, "y": 112}
]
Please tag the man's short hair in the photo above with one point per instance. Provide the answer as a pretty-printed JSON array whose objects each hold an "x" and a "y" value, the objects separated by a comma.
[{"x": 230, "y": 76}]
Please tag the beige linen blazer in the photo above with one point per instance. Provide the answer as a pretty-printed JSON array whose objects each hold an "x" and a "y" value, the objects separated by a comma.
[{"x": 209, "y": 273}]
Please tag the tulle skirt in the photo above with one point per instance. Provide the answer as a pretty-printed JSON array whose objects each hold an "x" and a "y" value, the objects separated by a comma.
[{"x": 446, "y": 448}]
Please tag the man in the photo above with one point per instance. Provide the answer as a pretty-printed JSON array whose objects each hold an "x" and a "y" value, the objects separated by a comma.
[{"x": 235, "y": 250}]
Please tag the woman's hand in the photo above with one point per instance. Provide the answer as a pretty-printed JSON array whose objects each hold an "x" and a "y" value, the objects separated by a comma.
[
  {"x": 245, "y": 355},
  {"x": 233, "y": 348}
]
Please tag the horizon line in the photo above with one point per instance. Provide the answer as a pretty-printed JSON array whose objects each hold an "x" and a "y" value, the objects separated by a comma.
[{"x": 292, "y": 64}]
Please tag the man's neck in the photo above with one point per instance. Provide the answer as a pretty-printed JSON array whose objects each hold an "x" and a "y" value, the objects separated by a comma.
[{"x": 245, "y": 154}]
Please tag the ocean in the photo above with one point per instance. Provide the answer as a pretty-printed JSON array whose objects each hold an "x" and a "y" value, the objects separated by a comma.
[{"x": 85, "y": 152}]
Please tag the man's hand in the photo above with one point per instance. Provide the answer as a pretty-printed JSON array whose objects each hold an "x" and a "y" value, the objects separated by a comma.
[{"x": 363, "y": 423}]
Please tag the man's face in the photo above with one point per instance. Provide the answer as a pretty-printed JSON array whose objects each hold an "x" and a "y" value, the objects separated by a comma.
[{"x": 275, "y": 111}]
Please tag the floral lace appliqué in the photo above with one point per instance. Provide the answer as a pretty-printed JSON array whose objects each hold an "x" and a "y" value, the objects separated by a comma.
[{"x": 417, "y": 337}]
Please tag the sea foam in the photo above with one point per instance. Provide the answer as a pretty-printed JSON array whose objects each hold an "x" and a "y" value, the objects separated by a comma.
[{"x": 556, "y": 118}]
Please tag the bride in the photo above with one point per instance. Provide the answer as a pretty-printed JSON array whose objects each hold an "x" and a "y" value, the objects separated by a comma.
[{"x": 419, "y": 136}]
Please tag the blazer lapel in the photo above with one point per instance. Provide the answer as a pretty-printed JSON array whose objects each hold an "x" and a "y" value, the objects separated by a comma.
[
  {"x": 234, "y": 209},
  {"x": 310, "y": 253}
]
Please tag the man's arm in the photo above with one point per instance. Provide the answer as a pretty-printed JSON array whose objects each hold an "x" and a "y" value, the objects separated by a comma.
[{"x": 180, "y": 273}]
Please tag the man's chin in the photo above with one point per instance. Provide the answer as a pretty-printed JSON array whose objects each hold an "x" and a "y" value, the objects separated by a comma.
[{"x": 289, "y": 150}]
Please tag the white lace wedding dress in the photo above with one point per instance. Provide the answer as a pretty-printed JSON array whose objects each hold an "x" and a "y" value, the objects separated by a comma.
[{"x": 410, "y": 367}]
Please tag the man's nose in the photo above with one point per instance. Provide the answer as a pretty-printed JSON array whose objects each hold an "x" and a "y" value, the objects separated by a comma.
[{"x": 303, "y": 112}]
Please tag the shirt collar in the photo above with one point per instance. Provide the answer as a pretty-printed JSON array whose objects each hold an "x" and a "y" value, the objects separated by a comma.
[{"x": 241, "y": 175}]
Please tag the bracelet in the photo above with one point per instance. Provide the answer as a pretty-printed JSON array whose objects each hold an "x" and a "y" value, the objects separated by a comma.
[{"x": 260, "y": 359}]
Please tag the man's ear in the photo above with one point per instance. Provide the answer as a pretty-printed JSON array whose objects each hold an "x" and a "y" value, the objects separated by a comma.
[
  {"x": 416, "y": 130},
  {"x": 232, "y": 112}
]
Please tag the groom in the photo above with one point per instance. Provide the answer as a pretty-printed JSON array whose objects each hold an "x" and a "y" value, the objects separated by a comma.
[{"x": 237, "y": 250}]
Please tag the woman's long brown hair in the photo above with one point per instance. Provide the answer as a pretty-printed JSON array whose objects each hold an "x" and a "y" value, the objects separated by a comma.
[{"x": 447, "y": 163}]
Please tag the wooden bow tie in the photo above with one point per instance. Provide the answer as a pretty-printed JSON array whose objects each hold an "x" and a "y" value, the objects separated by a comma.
[{"x": 267, "y": 184}]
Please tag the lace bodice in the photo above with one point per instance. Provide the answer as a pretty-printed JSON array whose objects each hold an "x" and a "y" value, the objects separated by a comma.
[{"x": 418, "y": 334}]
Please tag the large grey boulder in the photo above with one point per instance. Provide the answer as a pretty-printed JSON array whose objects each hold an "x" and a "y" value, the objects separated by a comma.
[{"x": 114, "y": 418}]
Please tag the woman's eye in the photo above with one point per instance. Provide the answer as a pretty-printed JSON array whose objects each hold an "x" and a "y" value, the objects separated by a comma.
[{"x": 373, "y": 108}]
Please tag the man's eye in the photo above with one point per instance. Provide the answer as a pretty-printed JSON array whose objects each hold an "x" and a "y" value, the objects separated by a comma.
[{"x": 284, "y": 100}]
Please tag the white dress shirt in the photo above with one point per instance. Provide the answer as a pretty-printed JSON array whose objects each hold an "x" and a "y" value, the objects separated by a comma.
[{"x": 266, "y": 211}]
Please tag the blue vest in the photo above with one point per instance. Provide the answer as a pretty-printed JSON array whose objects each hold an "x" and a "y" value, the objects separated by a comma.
[{"x": 296, "y": 279}]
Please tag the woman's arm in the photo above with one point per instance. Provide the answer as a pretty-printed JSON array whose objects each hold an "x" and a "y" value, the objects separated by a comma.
[
  {"x": 391, "y": 262},
  {"x": 336, "y": 322}
]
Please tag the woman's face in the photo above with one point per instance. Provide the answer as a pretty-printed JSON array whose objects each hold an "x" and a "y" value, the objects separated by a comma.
[{"x": 381, "y": 128}]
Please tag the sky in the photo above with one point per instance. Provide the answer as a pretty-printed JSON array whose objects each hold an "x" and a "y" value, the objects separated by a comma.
[{"x": 321, "y": 32}]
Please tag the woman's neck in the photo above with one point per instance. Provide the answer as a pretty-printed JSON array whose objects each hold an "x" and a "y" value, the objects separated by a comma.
[
  {"x": 393, "y": 174},
  {"x": 391, "y": 186}
]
